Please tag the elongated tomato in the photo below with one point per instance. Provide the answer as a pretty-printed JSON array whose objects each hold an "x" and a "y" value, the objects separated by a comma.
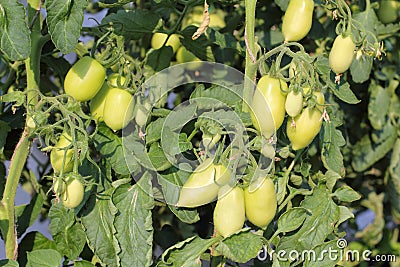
[{"x": 297, "y": 20}]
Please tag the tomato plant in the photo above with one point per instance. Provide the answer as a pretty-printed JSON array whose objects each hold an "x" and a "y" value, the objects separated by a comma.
[{"x": 280, "y": 134}]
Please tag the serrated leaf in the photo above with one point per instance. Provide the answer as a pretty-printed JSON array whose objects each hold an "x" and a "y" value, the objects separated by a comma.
[
  {"x": 291, "y": 219},
  {"x": 18, "y": 97},
  {"x": 321, "y": 257},
  {"x": 216, "y": 96},
  {"x": 98, "y": 221},
  {"x": 64, "y": 19},
  {"x": 378, "y": 107},
  {"x": 324, "y": 213},
  {"x": 344, "y": 215},
  {"x": 157, "y": 158},
  {"x": 331, "y": 155},
  {"x": 154, "y": 130},
  {"x": 133, "y": 222},
  {"x": 160, "y": 59},
  {"x": 44, "y": 258},
  {"x": 199, "y": 46},
  {"x": 360, "y": 68},
  {"x": 187, "y": 252},
  {"x": 232, "y": 247},
  {"x": 366, "y": 153},
  {"x": 343, "y": 91},
  {"x": 8, "y": 263},
  {"x": 33, "y": 241},
  {"x": 346, "y": 194},
  {"x": 223, "y": 40},
  {"x": 15, "y": 40},
  {"x": 110, "y": 146},
  {"x": 67, "y": 234},
  {"x": 132, "y": 24}
]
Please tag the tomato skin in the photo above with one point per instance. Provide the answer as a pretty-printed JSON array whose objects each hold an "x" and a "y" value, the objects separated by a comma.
[
  {"x": 260, "y": 202},
  {"x": 118, "y": 108},
  {"x": 294, "y": 103},
  {"x": 71, "y": 191},
  {"x": 57, "y": 154},
  {"x": 268, "y": 105},
  {"x": 388, "y": 11},
  {"x": 203, "y": 184},
  {"x": 97, "y": 103},
  {"x": 84, "y": 79},
  {"x": 229, "y": 212},
  {"x": 308, "y": 124},
  {"x": 159, "y": 38},
  {"x": 297, "y": 20},
  {"x": 342, "y": 53}
]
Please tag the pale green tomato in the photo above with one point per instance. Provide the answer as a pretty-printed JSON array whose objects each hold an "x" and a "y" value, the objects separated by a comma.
[
  {"x": 71, "y": 191},
  {"x": 297, "y": 20},
  {"x": 342, "y": 54},
  {"x": 183, "y": 55},
  {"x": 294, "y": 103},
  {"x": 268, "y": 105},
  {"x": 203, "y": 184},
  {"x": 388, "y": 11},
  {"x": 229, "y": 213},
  {"x": 159, "y": 38},
  {"x": 97, "y": 103},
  {"x": 84, "y": 79},
  {"x": 58, "y": 152},
  {"x": 118, "y": 108},
  {"x": 260, "y": 202}
]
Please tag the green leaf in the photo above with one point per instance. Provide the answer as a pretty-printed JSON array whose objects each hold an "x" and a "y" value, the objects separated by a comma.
[
  {"x": 154, "y": 130},
  {"x": 378, "y": 107},
  {"x": 8, "y": 263},
  {"x": 360, "y": 68},
  {"x": 15, "y": 40},
  {"x": 199, "y": 46},
  {"x": 346, "y": 194},
  {"x": 318, "y": 225},
  {"x": 393, "y": 183},
  {"x": 33, "y": 241},
  {"x": 4, "y": 130},
  {"x": 132, "y": 24},
  {"x": 331, "y": 155},
  {"x": 344, "y": 215},
  {"x": 157, "y": 158},
  {"x": 223, "y": 40},
  {"x": 216, "y": 96},
  {"x": 18, "y": 97},
  {"x": 291, "y": 220},
  {"x": 27, "y": 214},
  {"x": 369, "y": 20},
  {"x": 186, "y": 253},
  {"x": 67, "y": 234},
  {"x": 232, "y": 247},
  {"x": 366, "y": 152},
  {"x": 83, "y": 264},
  {"x": 133, "y": 223},
  {"x": 160, "y": 59},
  {"x": 44, "y": 258},
  {"x": 321, "y": 255},
  {"x": 110, "y": 146},
  {"x": 64, "y": 20},
  {"x": 343, "y": 92},
  {"x": 98, "y": 221}
]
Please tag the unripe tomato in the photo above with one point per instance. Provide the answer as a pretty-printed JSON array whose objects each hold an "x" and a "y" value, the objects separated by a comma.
[
  {"x": 388, "y": 11},
  {"x": 71, "y": 190},
  {"x": 260, "y": 202},
  {"x": 118, "y": 108},
  {"x": 229, "y": 213},
  {"x": 308, "y": 124},
  {"x": 159, "y": 38},
  {"x": 297, "y": 19},
  {"x": 58, "y": 152},
  {"x": 203, "y": 184},
  {"x": 97, "y": 103},
  {"x": 342, "y": 54},
  {"x": 268, "y": 105},
  {"x": 183, "y": 55},
  {"x": 294, "y": 103},
  {"x": 84, "y": 79}
]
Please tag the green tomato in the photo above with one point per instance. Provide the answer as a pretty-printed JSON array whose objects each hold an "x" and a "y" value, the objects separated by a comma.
[
  {"x": 58, "y": 152},
  {"x": 297, "y": 19},
  {"x": 183, "y": 55},
  {"x": 118, "y": 108},
  {"x": 342, "y": 53},
  {"x": 97, "y": 103},
  {"x": 203, "y": 184},
  {"x": 294, "y": 103},
  {"x": 388, "y": 11},
  {"x": 84, "y": 79},
  {"x": 71, "y": 191},
  {"x": 268, "y": 105},
  {"x": 307, "y": 125},
  {"x": 229, "y": 212},
  {"x": 260, "y": 202},
  {"x": 159, "y": 38}
]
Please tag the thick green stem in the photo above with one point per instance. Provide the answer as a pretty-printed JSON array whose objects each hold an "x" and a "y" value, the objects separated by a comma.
[
  {"x": 22, "y": 149},
  {"x": 251, "y": 61}
]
